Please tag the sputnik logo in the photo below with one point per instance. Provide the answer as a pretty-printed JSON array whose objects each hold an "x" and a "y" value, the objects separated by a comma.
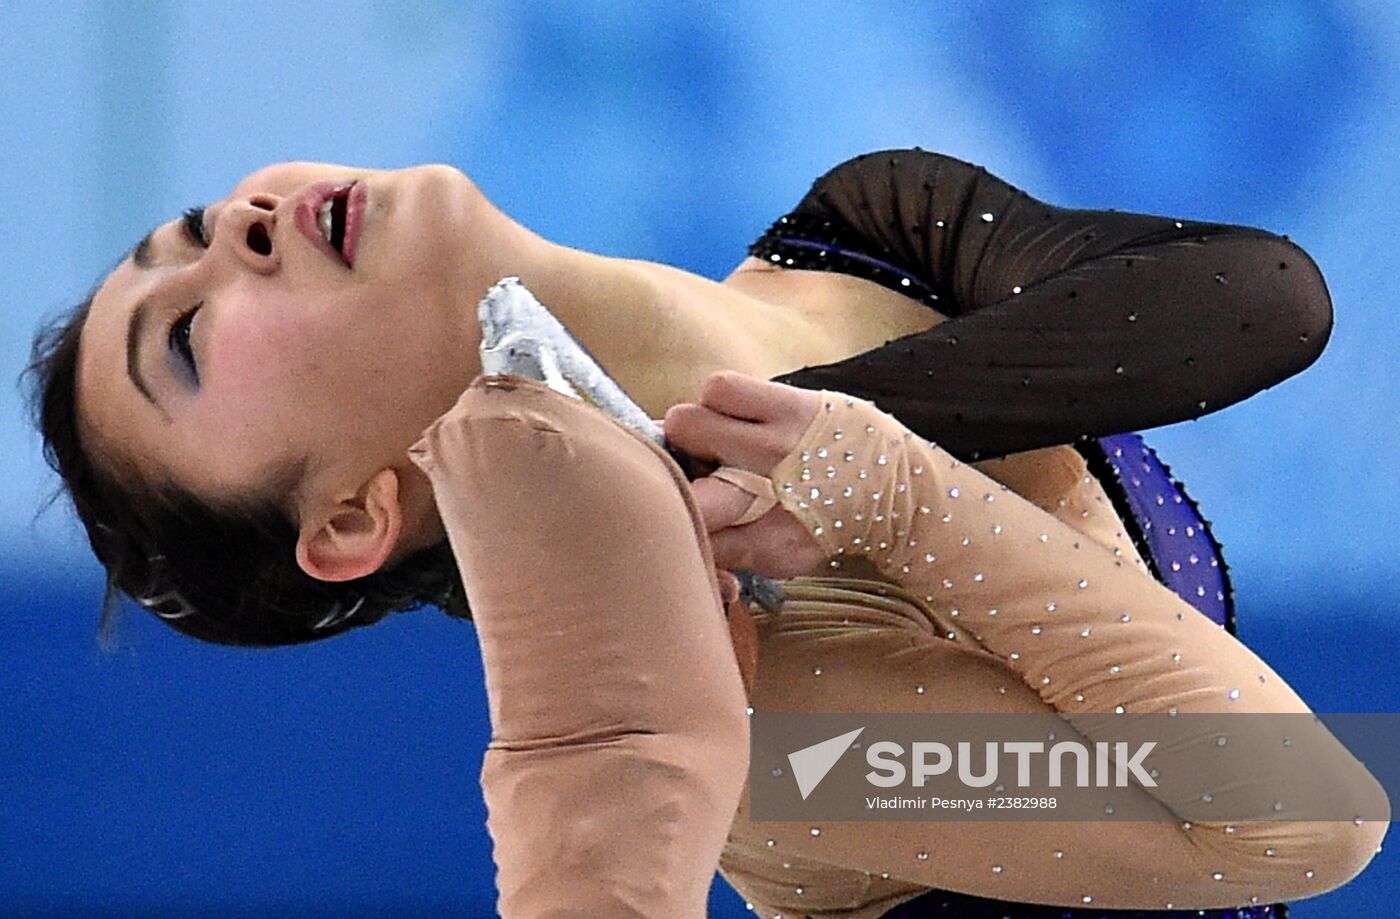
[{"x": 811, "y": 764}]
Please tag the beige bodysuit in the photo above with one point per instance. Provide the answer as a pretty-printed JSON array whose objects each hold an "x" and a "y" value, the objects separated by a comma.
[{"x": 616, "y": 777}]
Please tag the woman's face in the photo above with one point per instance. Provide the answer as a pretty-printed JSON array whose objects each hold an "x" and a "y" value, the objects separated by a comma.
[{"x": 215, "y": 362}]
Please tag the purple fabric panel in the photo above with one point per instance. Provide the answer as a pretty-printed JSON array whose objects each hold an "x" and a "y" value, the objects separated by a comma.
[{"x": 1185, "y": 555}]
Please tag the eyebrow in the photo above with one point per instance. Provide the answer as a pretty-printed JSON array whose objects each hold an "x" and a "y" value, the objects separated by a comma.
[
  {"x": 141, "y": 255},
  {"x": 135, "y": 326}
]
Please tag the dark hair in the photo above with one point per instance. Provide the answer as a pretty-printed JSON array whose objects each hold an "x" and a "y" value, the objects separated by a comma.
[{"x": 223, "y": 573}]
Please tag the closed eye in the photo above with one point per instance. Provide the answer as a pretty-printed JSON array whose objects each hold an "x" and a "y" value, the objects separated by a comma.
[
  {"x": 193, "y": 222},
  {"x": 179, "y": 340}
]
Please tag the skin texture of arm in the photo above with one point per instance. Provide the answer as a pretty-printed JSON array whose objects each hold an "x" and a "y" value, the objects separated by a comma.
[{"x": 1063, "y": 323}]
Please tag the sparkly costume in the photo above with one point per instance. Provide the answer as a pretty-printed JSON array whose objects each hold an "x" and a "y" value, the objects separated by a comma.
[
  {"x": 615, "y": 778},
  {"x": 1066, "y": 326}
]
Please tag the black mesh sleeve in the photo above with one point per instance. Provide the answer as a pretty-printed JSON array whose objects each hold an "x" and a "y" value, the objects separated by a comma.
[{"x": 1065, "y": 324}]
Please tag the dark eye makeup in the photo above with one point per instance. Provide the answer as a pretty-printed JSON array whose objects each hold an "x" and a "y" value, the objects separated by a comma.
[
  {"x": 178, "y": 334},
  {"x": 178, "y": 338},
  {"x": 193, "y": 222}
]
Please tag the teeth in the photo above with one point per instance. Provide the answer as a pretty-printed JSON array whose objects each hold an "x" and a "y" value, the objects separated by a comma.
[{"x": 323, "y": 219}]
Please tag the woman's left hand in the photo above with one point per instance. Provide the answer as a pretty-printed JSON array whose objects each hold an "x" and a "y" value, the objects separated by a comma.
[{"x": 748, "y": 425}]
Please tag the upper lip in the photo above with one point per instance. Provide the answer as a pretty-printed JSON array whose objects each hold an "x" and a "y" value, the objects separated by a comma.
[{"x": 304, "y": 213}]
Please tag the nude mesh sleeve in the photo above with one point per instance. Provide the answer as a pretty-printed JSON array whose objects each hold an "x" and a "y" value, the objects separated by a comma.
[{"x": 1075, "y": 630}]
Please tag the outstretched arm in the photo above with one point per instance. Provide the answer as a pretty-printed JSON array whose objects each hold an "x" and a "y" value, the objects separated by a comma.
[{"x": 1062, "y": 323}]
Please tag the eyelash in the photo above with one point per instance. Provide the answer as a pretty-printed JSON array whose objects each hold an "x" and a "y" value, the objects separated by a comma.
[
  {"x": 178, "y": 338},
  {"x": 178, "y": 335},
  {"x": 193, "y": 220}
]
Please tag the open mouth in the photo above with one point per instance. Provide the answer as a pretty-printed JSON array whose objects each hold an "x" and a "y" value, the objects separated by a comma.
[
  {"x": 331, "y": 218},
  {"x": 331, "y": 215}
]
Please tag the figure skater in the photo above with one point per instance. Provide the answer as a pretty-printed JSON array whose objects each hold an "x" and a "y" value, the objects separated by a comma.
[{"x": 267, "y": 419}]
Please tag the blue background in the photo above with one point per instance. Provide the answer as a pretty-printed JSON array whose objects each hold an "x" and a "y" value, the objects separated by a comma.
[{"x": 174, "y": 777}]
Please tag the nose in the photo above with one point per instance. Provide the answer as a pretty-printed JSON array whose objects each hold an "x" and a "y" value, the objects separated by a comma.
[{"x": 247, "y": 226}]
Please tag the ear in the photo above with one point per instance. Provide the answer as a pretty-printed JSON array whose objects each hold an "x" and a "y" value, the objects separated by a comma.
[{"x": 354, "y": 536}]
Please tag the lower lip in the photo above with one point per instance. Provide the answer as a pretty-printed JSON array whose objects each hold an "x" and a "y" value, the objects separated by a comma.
[
  {"x": 308, "y": 211},
  {"x": 354, "y": 218}
]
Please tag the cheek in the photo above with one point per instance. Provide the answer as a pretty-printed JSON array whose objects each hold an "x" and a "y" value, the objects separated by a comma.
[{"x": 268, "y": 364}]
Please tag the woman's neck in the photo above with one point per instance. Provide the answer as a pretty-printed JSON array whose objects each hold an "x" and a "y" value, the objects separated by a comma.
[{"x": 660, "y": 331}]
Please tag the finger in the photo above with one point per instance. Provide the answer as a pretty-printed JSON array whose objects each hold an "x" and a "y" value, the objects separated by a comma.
[
  {"x": 733, "y": 548},
  {"x": 733, "y": 393},
  {"x": 758, "y": 487},
  {"x": 750, "y": 398},
  {"x": 707, "y": 434},
  {"x": 775, "y": 545},
  {"x": 787, "y": 408},
  {"x": 720, "y": 503}
]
